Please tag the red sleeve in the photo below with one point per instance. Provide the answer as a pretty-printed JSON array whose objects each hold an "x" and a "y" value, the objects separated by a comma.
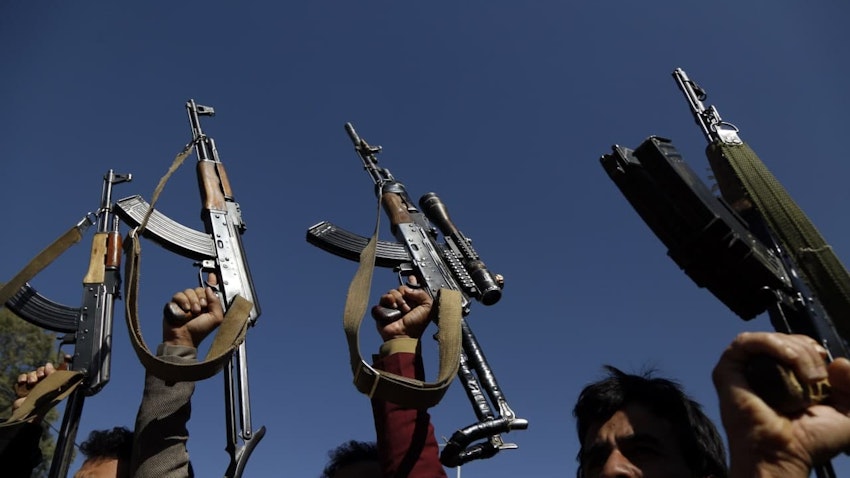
[{"x": 406, "y": 443}]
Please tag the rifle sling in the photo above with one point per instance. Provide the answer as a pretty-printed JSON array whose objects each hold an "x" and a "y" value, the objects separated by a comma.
[
  {"x": 230, "y": 334},
  {"x": 821, "y": 267},
  {"x": 405, "y": 391},
  {"x": 44, "y": 396},
  {"x": 55, "y": 387},
  {"x": 39, "y": 262}
]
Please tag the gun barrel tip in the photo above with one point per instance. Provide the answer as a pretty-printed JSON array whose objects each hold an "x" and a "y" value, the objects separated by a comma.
[{"x": 349, "y": 128}]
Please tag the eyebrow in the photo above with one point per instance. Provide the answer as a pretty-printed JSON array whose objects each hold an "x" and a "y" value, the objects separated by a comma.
[
  {"x": 636, "y": 438},
  {"x": 642, "y": 438}
]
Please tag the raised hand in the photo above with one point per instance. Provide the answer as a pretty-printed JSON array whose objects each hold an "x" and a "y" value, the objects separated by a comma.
[
  {"x": 763, "y": 442},
  {"x": 403, "y": 312},
  {"x": 191, "y": 315}
]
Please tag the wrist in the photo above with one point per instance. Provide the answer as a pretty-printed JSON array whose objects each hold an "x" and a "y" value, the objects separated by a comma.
[
  {"x": 399, "y": 344},
  {"x": 181, "y": 343},
  {"x": 177, "y": 336},
  {"x": 750, "y": 462},
  {"x": 172, "y": 350}
]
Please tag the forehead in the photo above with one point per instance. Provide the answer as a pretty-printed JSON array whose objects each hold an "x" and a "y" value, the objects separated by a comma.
[
  {"x": 630, "y": 421},
  {"x": 98, "y": 468}
]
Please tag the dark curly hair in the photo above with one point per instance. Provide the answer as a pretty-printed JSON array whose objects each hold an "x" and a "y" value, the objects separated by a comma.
[
  {"x": 348, "y": 453},
  {"x": 116, "y": 443},
  {"x": 701, "y": 444}
]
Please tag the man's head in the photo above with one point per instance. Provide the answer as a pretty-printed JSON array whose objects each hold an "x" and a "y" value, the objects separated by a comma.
[
  {"x": 353, "y": 459},
  {"x": 639, "y": 425},
  {"x": 107, "y": 454}
]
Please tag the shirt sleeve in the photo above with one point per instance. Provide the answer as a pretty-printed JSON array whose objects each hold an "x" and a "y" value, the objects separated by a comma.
[
  {"x": 19, "y": 451},
  {"x": 159, "y": 444},
  {"x": 407, "y": 446}
]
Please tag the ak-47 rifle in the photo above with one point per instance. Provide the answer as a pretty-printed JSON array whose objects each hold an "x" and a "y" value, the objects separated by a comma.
[
  {"x": 752, "y": 247},
  {"x": 217, "y": 249},
  {"x": 89, "y": 327},
  {"x": 453, "y": 265}
]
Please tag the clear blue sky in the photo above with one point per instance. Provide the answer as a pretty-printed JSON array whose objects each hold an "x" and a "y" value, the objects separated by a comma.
[{"x": 503, "y": 108}]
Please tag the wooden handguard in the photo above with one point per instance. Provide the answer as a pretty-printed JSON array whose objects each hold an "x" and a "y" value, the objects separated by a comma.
[
  {"x": 395, "y": 208},
  {"x": 214, "y": 185},
  {"x": 114, "y": 245}
]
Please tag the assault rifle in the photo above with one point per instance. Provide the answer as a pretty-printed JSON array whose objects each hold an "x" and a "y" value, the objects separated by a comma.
[
  {"x": 738, "y": 246},
  {"x": 89, "y": 327},
  {"x": 452, "y": 265},
  {"x": 217, "y": 249}
]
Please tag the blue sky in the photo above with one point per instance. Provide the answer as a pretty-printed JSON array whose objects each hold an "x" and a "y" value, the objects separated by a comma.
[{"x": 502, "y": 108}]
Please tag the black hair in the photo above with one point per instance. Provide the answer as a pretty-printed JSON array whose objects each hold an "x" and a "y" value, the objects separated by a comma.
[
  {"x": 115, "y": 443},
  {"x": 348, "y": 453},
  {"x": 702, "y": 446}
]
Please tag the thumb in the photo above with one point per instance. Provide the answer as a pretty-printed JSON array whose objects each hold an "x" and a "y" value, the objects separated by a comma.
[
  {"x": 212, "y": 279},
  {"x": 214, "y": 304}
]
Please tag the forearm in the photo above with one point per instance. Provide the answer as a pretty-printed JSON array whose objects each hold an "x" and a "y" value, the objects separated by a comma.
[
  {"x": 406, "y": 443},
  {"x": 159, "y": 445}
]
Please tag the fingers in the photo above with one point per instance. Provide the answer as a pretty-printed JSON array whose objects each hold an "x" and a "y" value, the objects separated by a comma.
[
  {"x": 799, "y": 352},
  {"x": 404, "y": 299},
  {"x": 418, "y": 296},
  {"x": 196, "y": 299},
  {"x": 185, "y": 305},
  {"x": 393, "y": 299},
  {"x": 839, "y": 379},
  {"x": 191, "y": 300},
  {"x": 212, "y": 279},
  {"x": 21, "y": 386},
  {"x": 28, "y": 380},
  {"x": 385, "y": 315},
  {"x": 36, "y": 375},
  {"x": 403, "y": 312}
]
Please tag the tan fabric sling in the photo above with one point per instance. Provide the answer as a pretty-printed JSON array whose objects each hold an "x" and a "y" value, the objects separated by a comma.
[{"x": 405, "y": 391}]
